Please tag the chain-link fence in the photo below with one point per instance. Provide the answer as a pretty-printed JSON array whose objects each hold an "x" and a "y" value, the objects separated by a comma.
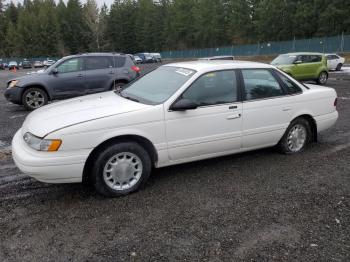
[
  {"x": 322, "y": 44},
  {"x": 332, "y": 44},
  {"x": 32, "y": 60}
]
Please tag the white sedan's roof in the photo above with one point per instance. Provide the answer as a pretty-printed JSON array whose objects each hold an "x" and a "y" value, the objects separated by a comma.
[{"x": 203, "y": 65}]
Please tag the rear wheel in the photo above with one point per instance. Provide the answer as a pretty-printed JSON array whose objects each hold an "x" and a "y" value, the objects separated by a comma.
[
  {"x": 34, "y": 98},
  {"x": 121, "y": 169},
  {"x": 338, "y": 68},
  {"x": 118, "y": 86},
  {"x": 296, "y": 137},
  {"x": 322, "y": 78}
]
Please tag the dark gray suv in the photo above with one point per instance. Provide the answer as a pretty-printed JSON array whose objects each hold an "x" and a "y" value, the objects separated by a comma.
[{"x": 72, "y": 76}]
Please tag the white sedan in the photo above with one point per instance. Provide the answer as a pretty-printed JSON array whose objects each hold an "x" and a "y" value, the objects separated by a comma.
[
  {"x": 178, "y": 113},
  {"x": 335, "y": 62}
]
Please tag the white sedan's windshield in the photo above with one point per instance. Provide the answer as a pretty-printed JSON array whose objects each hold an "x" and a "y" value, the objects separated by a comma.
[{"x": 157, "y": 86}]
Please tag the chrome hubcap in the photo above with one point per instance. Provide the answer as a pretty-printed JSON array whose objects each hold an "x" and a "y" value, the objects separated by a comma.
[
  {"x": 118, "y": 87},
  {"x": 323, "y": 78},
  {"x": 35, "y": 99},
  {"x": 122, "y": 171},
  {"x": 296, "y": 138}
]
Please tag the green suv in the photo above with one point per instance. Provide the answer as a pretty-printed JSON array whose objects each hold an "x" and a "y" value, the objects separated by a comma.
[{"x": 304, "y": 66}]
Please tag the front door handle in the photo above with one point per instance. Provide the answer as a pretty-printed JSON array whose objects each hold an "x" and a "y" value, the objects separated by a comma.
[
  {"x": 230, "y": 117},
  {"x": 80, "y": 75}
]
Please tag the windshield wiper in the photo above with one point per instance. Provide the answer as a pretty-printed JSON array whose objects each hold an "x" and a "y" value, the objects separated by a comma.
[{"x": 128, "y": 97}]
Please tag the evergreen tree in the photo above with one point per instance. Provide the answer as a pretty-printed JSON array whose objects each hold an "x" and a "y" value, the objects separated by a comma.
[
  {"x": 121, "y": 27},
  {"x": 91, "y": 16},
  {"x": 2, "y": 27},
  {"x": 47, "y": 23},
  {"x": 181, "y": 26},
  {"x": 11, "y": 44},
  {"x": 75, "y": 33},
  {"x": 42, "y": 28},
  {"x": 102, "y": 35}
]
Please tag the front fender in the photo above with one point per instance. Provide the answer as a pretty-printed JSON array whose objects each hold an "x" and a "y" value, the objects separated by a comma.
[{"x": 40, "y": 85}]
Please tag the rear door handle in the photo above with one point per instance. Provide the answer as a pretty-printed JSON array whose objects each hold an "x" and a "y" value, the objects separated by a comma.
[
  {"x": 230, "y": 117},
  {"x": 80, "y": 75},
  {"x": 286, "y": 109}
]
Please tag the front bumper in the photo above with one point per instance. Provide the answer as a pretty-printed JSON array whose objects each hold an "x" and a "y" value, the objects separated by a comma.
[
  {"x": 14, "y": 95},
  {"x": 49, "y": 167}
]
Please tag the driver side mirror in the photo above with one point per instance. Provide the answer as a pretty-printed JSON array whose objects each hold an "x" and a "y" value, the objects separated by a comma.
[
  {"x": 54, "y": 71},
  {"x": 183, "y": 105}
]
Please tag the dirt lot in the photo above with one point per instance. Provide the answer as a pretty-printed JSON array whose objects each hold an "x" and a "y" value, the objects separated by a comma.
[{"x": 257, "y": 206}]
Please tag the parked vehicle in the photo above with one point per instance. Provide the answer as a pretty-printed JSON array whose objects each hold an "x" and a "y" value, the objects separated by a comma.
[
  {"x": 49, "y": 62},
  {"x": 2, "y": 65},
  {"x": 178, "y": 113},
  {"x": 38, "y": 64},
  {"x": 335, "y": 62},
  {"x": 26, "y": 64},
  {"x": 222, "y": 57},
  {"x": 72, "y": 76},
  {"x": 12, "y": 65},
  {"x": 156, "y": 57},
  {"x": 304, "y": 66},
  {"x": 137, "y": 59},
  {"x": 146, "y": 58}
]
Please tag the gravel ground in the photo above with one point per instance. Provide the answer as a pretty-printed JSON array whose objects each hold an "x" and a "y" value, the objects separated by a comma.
[{"x": 256, "y": 206}]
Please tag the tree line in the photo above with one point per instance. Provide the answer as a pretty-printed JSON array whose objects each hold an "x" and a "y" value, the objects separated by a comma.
[{"x": 49, "y": 28}]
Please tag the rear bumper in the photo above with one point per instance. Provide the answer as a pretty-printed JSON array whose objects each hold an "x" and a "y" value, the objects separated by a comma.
[
  {"x": 326, "y": 121},
  {"x": 14, "y": 95},
  {"x": 49, "y": 167}
]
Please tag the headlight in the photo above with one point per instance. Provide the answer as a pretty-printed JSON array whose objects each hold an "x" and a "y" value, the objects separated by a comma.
[
  {"x": 40, "y": 144},
  {"x": 13, "y": 83}
]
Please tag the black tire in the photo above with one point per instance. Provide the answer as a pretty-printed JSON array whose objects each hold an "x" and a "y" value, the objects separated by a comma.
[
  {"x": 338, "y": 68},
  {"x": 42, "y": 98},
  {"x": 108, "y": 153},
  {"x": 322, "y": 78},
  {"x": 284, "y": 144}
]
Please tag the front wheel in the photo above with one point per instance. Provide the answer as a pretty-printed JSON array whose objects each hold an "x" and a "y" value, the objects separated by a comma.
[
  {"x": 296, "y": 137},
  {"x": 34, "y": 98},
  {"x": 121, "y": 169},
  {"x": 322, "y": 78}
]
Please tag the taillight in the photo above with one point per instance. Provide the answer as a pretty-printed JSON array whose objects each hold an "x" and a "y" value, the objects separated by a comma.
[
  {"x": 335, "y": 102},
  {"x": 136, "y": 69}
]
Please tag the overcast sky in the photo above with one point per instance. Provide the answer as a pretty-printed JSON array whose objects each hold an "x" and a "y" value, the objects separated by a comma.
[{"x": 99, "y": 2}]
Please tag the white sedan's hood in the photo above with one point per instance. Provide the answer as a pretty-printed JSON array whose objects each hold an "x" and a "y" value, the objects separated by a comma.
[{"x": 74, "y": 111}]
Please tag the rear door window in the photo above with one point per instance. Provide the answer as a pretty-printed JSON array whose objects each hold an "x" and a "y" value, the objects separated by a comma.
[
  {"x": 120, "y": 61},
  {"x": 315, "y": 58},
  {"x": 260, "y": 84},
  {"x": 292, "y": 88},
  {"x": 98, "y": 62}
]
